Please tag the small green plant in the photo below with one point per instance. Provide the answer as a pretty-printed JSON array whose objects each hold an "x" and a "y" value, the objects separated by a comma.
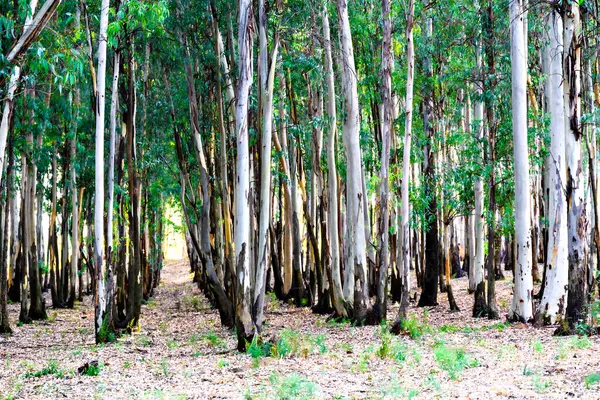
[
  {"x": 346, "y": 348},
  {"x": 592, "y": 379},
  {"x": 257, "y": 350},
  {"x": 580, "y": 342},
  {"x": 528, "y": 371},
  {"x": 415, "y": 328},
  {"x": 92, "y": 369},
  {"x": 293, "y": 387},
  {"x": 562, "y": 351},
  {"x": 362, "y": 365},
  {"x": 212, "y": 339},
  {"x": 192, "y": 302},
  {"x": 52, "y": 317},
  {"x": 172, "y": 344},
  {"x": 390, "y": 347},
  {"x": 163, "y": 327},
  {"x": 318, "y": 342},
  {"x": 540, "y": 385},
  {"x": 222, "y": 363},
  {"x": 126, "y": 364},
  {"x": 395, "y": 391},
  {"x": 164, "y": 364},
  {"x": 292, "y": 343},
  {"x": 145, "y": 341},
  {"x": 338, "y": 322},
  {"x": 453, "y": 360},
  {"x": 537, "y": 346},
  {"x": 273, "y": 301},
  {"x": 51, "y": 368},
  {"x": 432, "y": 382},
  {"x": 505, "y": 349}
]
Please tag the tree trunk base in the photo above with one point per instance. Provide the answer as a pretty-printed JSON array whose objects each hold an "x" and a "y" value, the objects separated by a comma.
[
  {"x": 451, "y": 299},
  {"x": 480, "y": 306}
]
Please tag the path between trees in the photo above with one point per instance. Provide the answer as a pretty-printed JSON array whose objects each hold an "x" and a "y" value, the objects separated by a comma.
[{"x": 182, "y": 352}]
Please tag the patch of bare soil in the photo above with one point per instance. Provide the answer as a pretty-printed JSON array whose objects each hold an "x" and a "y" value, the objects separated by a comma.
[{"x": 182, "y": 352}]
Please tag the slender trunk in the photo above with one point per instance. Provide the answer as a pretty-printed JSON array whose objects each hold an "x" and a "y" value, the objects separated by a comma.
[
  {"x": 244, "y": 324},
  {"x": 332, "y": 180},
  {"x": 553, "y": 304},
  {"x": 356, "y": 259},
  {"x": 431, "y": 271},
  {"x": 575, "y": 183},
  {"x": 114, "y": 105},
  {"x": 380, "y": 308},
  {"x": 521, "y": 308},
  {"x": 267, "y": 78},
  {"x": 492, "y": 309},
  {"x": 405, "y": 216},
  {"x": 103, "y": 292}
]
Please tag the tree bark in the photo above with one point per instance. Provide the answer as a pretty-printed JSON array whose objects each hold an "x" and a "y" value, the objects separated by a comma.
[
  {"x": 553, "y": 304},
  {"x": 103, "y": 292},
  {"x": 245, "y": 327},
  {"x": 521, "y": 307},
  {"x": 356, "y": 259},
  {"x": 575, "y": 184}
]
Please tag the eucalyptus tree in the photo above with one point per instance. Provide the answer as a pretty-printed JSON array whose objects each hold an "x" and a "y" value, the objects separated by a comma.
[
  {"x": 521, "y": 307},
  {"x": 103, "y": 292},
  {"x": 575, "y": 196},
  {"x": 243, "y": 259},
  {"x": 332, "y": 176},
  {"x": 553, "y": 301},
  {"x": 380, "y": 307},
  {"x": 355, "y": 279}
]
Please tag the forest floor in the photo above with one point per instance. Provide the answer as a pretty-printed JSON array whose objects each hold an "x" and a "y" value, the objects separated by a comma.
[{"x": 182, "y": 352}]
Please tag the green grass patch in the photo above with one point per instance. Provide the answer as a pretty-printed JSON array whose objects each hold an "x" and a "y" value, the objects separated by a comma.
[
  {"x": 52, "y": 367},
  {"x": 453, "y": 360}
]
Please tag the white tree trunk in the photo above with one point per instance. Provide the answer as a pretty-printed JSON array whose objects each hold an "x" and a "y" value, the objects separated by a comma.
[
  {"x": 356, "y": 264},
  {"x": 576, "y": 181},
  {"x": 521, "y": 307},
  {"x": 100, "y": 300},
  {"x": 554, "y": 302},
  {"x": 476, "y": 273},
  {"x": 266, "y": 88},
  {"x": 114, "y": 104},
  {"x": 244, "y": 324},
  {"x": 332, "y": 180},
  {"x": 405, "y": 214}
]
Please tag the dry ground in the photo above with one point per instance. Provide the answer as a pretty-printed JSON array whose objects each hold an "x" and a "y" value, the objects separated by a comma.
[{"x": 182, "y": 352}]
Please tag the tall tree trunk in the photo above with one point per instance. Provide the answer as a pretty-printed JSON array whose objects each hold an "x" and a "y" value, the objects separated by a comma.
[
  {"x": 431, "y": 271},
  {"x": 521, "y": 307},
  {"x": 103, "y": 292},
  {"x": 6, "y": 194},
  {"x": 575, "y": 184},
  {"x": 476, "y": 270},
  {"x": 553, "y": 304},
  {"x": 356, "y": 264},
  {"x": 380, "y": 308},
  {"x": 405, "y": 216},
  {"x": 114, "y": 105},
  {"x": 244, "y": 324},
  {"x": 267, "y": 78},
  {"x": 489, "y": 22},
  {"x": 332, "y": 179}
]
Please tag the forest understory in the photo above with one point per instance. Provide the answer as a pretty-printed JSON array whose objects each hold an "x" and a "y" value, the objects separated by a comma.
[{"x": 183, "y": 352}]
